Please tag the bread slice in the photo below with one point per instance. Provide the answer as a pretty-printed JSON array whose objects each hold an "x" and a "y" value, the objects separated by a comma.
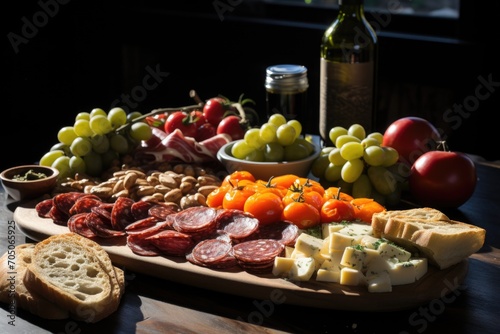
[
  {"x": 442, "y": 241},
  {"x": 13, "y": 289},
  {"x": 73, "y": 272}
]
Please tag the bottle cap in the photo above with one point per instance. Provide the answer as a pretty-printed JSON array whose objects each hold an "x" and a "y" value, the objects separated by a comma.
[{"x": 286, "y": 77}]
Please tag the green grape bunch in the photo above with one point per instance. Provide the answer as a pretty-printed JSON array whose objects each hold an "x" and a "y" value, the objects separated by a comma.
[
  {"x": 360, "y": 165},
  {"x": 94, "y": 141},
  {"x": 274, "y": 141}
]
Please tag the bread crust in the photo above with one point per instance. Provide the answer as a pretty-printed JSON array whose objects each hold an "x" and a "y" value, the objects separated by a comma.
[
  {"x": 27, "y": 299},
  {"x": 76, "y": 273},
  {"x": 444, "y": 242}
]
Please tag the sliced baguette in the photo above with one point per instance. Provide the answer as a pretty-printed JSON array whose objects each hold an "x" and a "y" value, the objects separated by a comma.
[
  {"x": 13, "y": 289},
  {"x": 442, "y": 241},
  {"x": 67, "y": 271}
]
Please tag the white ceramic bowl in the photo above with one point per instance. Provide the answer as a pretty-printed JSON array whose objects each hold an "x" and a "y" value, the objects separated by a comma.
[
  {"x": 265, "y": 170},
  {"x": 31, "y": 189}
]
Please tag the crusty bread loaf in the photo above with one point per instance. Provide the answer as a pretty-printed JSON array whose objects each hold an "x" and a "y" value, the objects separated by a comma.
[
  {"x": 442, "y": 241},
  {"x": 12, "y": 288},
  {"x": 75, "y": 273}
]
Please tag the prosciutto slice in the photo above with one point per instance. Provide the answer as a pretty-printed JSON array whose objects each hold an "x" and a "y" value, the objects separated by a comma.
[{"x": 177, "y": 146}]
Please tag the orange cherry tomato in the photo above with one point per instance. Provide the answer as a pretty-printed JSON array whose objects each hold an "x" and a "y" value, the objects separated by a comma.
[
  {"x": 236, "y": 177},
  {"x": 302, "y": 214},
  {"x": 266, "y": 207},
  {"x": 333, "y": 192},
  {"x": 216, "y": 197},
  {"x": 336, "y": 210},
  {"x": 308, "y": 184},
  {"x": 236, "y": 197},
  {"x": 283, "y": 181},
  {"x": 312, "y": 197},
  {"x": 267, "y": 186},
  {"x": 364, "y": 208}
]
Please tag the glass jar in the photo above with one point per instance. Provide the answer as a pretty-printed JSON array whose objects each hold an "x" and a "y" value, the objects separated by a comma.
[{"x": 286, "y": 92}]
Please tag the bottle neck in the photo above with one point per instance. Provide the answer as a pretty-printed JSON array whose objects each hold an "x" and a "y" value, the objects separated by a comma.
[{"x": 351, "y": 7}]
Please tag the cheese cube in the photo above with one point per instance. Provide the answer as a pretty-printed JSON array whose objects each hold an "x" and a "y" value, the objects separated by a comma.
[
  {"x": 325, "y": 249},
  {"x": 326, "y": 275},
  {"x": 295, "y": 254},
  {"x": 402, "y": 273},
  {"x": 288, "y": 251},
  {"x": 369, "y": 241},
  {"x": 356, "y": 229},
  {"x": 358, "y": 257},
  {"x": 309, "y": 245},
  {"x": 328, "y": 229},
  {"x": 339, "y": 241},
  {"x": 421, "y": 267},
  {"x": 349, "y": 276},
  {"x": 377, "y": 265},
  {"x": 380, "y": 282},
  {"x": 282, "y": 266},
  {"x": 389, "y": 250},
  {"x": 302, "y": 269}
]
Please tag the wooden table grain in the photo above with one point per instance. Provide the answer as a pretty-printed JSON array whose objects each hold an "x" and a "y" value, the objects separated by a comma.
[{"x": 152, "y": 305}]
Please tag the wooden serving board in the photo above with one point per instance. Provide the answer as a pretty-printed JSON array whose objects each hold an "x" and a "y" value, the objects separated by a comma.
[{"x": 263, "y": 287}]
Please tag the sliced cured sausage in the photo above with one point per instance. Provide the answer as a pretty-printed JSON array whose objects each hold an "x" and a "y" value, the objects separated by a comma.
[
  {"x": 140, "y": 209},
  {"x": 65, "y": 201},
  {"x": 257, "y": 256},
  {"x": 43, "y": 208},
  {"x": 161, "y": 211},
  {"x": 171, "y": 242},
  {"x": 77, "y": 224},
  {"x": 237, "y": 224},
  {"x": 141, "y": 246},
  {"x": 198, "y": 221},
  {"x": 209, "y": 252},
  {"x": 98, "y": 226},
  {"x": 121, "y": 213},
  {"x": 283, "y": 231},
  {"x": 85, "y": 204}
]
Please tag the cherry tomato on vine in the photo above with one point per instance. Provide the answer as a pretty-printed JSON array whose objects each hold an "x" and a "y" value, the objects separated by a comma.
[
  {"x": 214, "y": 110},
  {"x": 364, "y": 208},
  {"x": 198, "y": 118},
  {"x": 157, "y": 121},
  {"x": 310, "y": 185},
  {"x": 216, "y": 197},
  {"x": 236, "y": 197},
  {"x": 336, "y": 210},
  {"x": 284, "y": 181},
  {"x": 266, "y": 207},
  {"x": 205, "y": 131},
  {"x": 267, "y": 186},
  {"x": 302, "y": 214},
  {"x": 333, "y": 192},
  {"x": 237, "y": 176},
  {"x": 232, "y": 126},
  {"x": 182, "y": 121}
]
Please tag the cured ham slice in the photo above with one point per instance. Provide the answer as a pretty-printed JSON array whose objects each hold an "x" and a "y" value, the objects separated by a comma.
[{"x": 176, "y": 146}]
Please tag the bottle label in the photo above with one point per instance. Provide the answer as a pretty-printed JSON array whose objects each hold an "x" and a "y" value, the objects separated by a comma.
[{"x": 346, "y": 95}]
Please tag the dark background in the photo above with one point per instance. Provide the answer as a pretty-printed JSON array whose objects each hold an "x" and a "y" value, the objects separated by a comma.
[{"x": 89, "y": 54}]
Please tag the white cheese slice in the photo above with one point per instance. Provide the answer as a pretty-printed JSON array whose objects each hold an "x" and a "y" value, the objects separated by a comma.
[
  {"x": 282, "y": 266},
  {"x": 326, "y": 275},
  {"x": 349, "y": 276},
  {"x": 421, "y": 267},
  {"x": 339, "y": 241},
  {"x": 402, "y": 273},
  {"x": 358, "y": 257},
  {"x": 389, "y": 250},
  {"x": 327, "y": 229},
  {"x": 380, "y": 282},
  {"x": 369, "y": 241},
  {"x": 356, "y": 229},
  {"x": 302, "y": 269}
]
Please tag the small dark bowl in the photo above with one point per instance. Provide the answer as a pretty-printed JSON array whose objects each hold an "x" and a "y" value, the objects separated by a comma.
[{"x": 31, "y": 189}]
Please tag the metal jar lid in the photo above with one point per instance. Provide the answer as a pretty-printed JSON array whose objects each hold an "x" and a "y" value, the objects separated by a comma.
[{"x": 286, "y": 77}]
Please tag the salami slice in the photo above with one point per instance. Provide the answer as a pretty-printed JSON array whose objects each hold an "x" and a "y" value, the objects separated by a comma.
[
  {"x": 43, "y": 208},
  {"x": 65, "y": 201},
  {"x": 141, "y": 225},
  {"x": 96, "y": 224},
  {"x": 121, "y": 214},
  {"x": 171, "y": 242},
  {"x": 211, "y": 251},
  {"x": 85, "y": 204},
  {"x": 141, "y": 246},
  {"x": 104, "y": 213},
  {"x": 59, "y": 217},
  {"x": 77, "y": 224},
  {"x": 257, "y": 255},
  {"x": 161, "y": 211},
  {"x": 140, "y": 209},
  {"x": 199, "y": 220},
  {"x": 283, "y": 231},
  {"x": 237, "y": 224}
]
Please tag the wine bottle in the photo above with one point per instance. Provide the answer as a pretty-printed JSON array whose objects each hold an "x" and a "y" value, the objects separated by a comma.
[{"x": 348, "y": 71}]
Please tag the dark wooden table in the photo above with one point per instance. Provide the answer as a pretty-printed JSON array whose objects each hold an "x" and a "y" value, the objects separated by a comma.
[{"x": 159, "y": 306}]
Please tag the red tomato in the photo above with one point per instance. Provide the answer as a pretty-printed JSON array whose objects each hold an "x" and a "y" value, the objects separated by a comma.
[
  {"x": 336, "y": 210},
  {"x": 266, "y": 207},
  {"x": 198, "y": 118},
  {"x": 182, "y": 121},
  {"x": 231, "y": 125},
  {"x": 302, "y": 214},
  {"x": 214, "y": 110},
  {"x": 411, "y": 137},
  {"x": 205, "y": 131},
  {"x": 442, "y": 179},
  {"x": 157, "y": 121}
]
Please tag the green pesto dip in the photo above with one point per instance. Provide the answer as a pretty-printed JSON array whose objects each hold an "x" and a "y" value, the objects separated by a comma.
[{"x": 29, "y": 176}]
